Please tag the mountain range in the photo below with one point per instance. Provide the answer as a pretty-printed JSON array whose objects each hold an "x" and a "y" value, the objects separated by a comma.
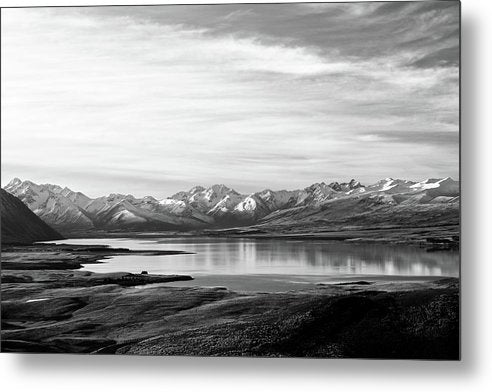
[{"x": 333, "y": 205}]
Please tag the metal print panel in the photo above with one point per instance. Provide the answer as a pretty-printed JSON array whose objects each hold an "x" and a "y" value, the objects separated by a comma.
[{"x": 274, "y": 180}]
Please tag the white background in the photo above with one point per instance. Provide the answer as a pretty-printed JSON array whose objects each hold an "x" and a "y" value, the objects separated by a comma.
[{"x": 21, "y": 373}]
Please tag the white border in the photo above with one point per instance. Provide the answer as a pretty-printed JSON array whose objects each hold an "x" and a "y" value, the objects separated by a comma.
[{"x": 33, "y": 373}]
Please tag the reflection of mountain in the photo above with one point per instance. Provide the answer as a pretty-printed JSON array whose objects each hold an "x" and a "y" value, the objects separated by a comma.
[
  {"x": 20, "y": 225},
  {"x": 229, "y": 256},
  {"x": 389, "y": 202}
]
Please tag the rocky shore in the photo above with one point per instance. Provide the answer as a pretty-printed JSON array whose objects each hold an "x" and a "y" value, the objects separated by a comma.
[{"x": 48, "y": 305}]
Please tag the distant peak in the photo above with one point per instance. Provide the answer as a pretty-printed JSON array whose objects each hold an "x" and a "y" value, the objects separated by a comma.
[
  {"x": 318, "y": 185},
  {"x": 197, "y": 188},
  {"x": 115, "y": 195},
  {"x": 352, "y": 184},
  {"x": 431, "y": 180},
  {"x": 14, "y": 182},
  {"x": 335, "y": 186},
  {"x": 67, "y": 191},
  {"x": 355, "y": 184},
  {"x": 221, "y": 188}
]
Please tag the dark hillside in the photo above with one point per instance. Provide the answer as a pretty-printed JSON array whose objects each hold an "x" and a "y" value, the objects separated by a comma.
[{"x": 19, "y": 225}]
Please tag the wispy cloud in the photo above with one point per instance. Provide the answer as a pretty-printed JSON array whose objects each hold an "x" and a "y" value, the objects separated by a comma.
[{"x": 180, "y": 95}]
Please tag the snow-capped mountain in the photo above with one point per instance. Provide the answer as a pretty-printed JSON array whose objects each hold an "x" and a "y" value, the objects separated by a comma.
[
  {"x": 346, "y": 186},
  {"x": 387, "y": 203},
  {"x": 221, "y": 206},
  {"x": 52, "y": 204},
  {"x": 70, "y": 211},
  {"x": 205, "y": 199},
  {"x": 78, "y": 198}
]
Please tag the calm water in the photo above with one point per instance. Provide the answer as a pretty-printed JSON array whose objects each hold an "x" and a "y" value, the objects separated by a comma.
[{"x": 276, "y": 258}]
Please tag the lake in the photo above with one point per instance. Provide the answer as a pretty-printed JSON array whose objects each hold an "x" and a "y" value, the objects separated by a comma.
[{"x": 273, "y": 264}]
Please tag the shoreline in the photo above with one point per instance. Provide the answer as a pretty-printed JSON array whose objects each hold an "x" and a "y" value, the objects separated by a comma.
[
  {"x": 68, "y": 310},
  {"x": 432, "y": 238},
  {"x": 265, "y": 278},
  {"x": 23, "y": 264}
]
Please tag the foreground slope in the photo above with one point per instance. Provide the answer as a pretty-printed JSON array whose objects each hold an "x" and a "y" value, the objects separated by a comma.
[{"x": 20, "y": 225}]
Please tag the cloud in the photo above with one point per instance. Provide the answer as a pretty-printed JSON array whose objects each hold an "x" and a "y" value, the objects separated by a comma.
[
  {"x": 254, "y": 96},
  {"x": 371, "y": 138},
  {"x": 425, "y": 138}
]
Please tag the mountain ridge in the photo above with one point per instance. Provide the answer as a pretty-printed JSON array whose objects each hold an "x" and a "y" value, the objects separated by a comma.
[{"x": 221, "y": 206}]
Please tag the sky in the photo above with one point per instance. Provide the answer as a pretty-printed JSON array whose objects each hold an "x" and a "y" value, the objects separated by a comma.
[{"x": 151, "y": 100}]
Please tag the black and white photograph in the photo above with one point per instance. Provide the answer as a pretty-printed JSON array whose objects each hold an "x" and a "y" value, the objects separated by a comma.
[{"x": 275, "y": 180}]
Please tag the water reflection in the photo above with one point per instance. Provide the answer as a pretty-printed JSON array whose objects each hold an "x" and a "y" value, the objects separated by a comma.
[{"x": 245, "y": 256}]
